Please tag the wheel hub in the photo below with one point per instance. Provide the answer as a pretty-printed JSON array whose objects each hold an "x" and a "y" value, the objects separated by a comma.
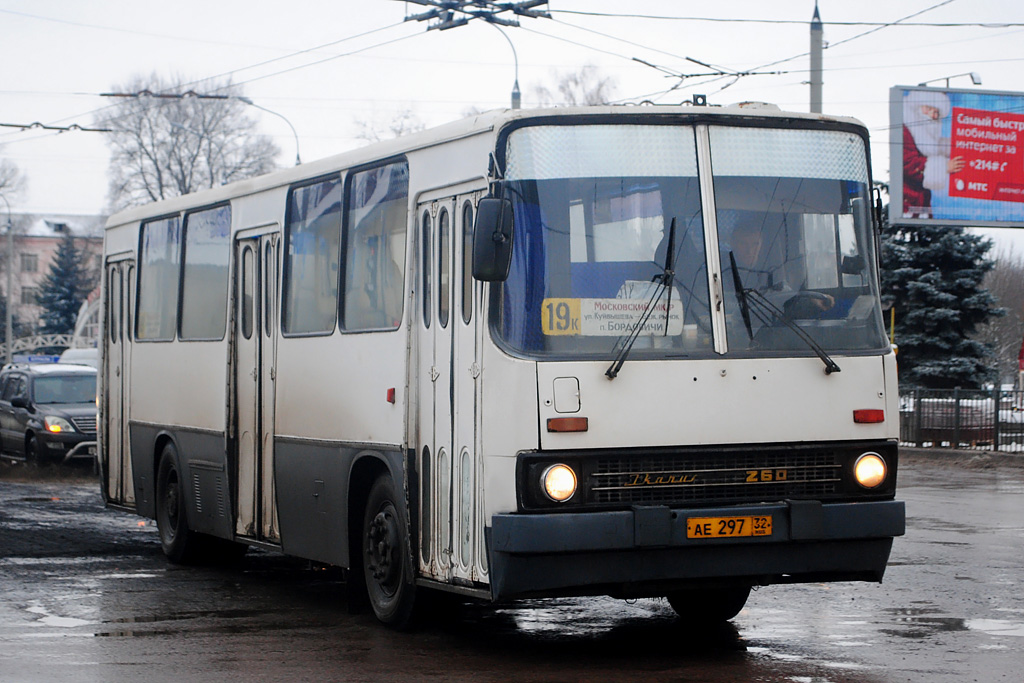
[{"x": 382, "y": 544}]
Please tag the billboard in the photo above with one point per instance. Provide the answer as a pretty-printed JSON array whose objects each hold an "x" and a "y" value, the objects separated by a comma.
[{"x": 956, "y": 157}]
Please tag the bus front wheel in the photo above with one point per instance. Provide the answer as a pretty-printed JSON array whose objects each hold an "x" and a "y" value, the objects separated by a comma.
[
  {"x": 709, "y": 604},
  {"x": 387, "y": 560}
]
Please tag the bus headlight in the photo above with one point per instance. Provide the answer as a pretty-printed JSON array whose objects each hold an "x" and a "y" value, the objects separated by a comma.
[
  {"x": 869, "y": 470},
  {"x": 558, "y": 482}
]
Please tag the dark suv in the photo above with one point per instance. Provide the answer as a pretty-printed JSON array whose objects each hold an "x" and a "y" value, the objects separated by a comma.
[{"x": 48, "y": 411}]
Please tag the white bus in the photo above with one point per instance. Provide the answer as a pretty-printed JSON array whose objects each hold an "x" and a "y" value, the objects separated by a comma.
[{"x": 627, "y": 351}]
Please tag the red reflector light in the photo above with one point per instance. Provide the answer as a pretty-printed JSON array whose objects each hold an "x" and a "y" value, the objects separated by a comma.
[
  {"x": 868, "y": 416},
  {"x": 391, "y": 395},
  {"x": 568, "y": 424}
]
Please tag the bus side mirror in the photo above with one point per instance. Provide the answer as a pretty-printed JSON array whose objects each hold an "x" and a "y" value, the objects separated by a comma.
[{"x": 492, "y": 239}]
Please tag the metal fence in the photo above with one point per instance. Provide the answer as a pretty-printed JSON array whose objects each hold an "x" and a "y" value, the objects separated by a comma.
[{"x": 985, "y": 420}]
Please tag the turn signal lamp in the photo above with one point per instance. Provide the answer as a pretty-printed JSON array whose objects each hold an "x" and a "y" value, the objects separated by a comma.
[
  {"x": 559, "y": 482},
  {"x": 869, "y": 470},
  {"x": 568, "y": 424},
  {"x": 869, "y": 416}
]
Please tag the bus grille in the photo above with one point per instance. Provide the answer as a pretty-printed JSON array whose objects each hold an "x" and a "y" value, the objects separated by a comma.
[
  {"x": 86, "y": 425},
  {"x": 712, "y": 478}
]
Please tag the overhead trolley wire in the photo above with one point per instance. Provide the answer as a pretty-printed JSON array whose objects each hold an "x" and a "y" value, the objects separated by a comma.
[{"x": 737, "y": 20}]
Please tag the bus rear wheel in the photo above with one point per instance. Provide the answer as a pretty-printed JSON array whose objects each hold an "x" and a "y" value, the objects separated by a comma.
[
  {"x": 709, "y": 605},
  {"x": 180, "y": 544},
  {"x": 387, "y": 560}
]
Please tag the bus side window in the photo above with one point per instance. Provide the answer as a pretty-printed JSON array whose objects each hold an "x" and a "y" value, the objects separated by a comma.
[
  {"x": 206, "y": 258},
  {"x": 467, "y": 262},
  {"x": 425, "y": 263},
  {"x": 374, "y": 259},
  {"x": 443, "y": 267},
  {"x": 248, "y": 283},
  {"x": 312, "y": 237},
  {"x": 158, "y": 279}
]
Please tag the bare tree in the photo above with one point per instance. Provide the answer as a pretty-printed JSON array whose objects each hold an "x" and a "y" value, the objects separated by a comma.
[
  {"x": 588, "y": 86},
  {"x": 168, "y": 146},
  {"x": 380, "y": 127},
  {"x": 12, "y": 180},
  {"x": 1006, "y": 283}
]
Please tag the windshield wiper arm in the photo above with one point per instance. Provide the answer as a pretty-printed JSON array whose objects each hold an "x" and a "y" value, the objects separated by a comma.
[
  {"x": 761, "y": 301},
  {"x": 670, "y": 274},
  {"x": 741, "y": 294},
  {"x": 664, "y": 282}
]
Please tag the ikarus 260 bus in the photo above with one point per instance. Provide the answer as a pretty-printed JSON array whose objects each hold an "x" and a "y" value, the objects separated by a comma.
[{"x": 634, "y": 351}]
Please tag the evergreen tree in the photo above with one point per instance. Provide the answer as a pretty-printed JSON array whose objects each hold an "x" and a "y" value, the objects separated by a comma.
[
  {"x": 64, "y": 288},
  {"x": 934, "y": 276}
]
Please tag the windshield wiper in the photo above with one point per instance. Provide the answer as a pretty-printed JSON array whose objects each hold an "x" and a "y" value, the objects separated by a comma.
[
  {"x": 761, "y": 303},
  {"x": 664, "y": 281}
]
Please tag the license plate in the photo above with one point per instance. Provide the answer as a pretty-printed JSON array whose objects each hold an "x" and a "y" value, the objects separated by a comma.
[{"x": 728, "y": 527}]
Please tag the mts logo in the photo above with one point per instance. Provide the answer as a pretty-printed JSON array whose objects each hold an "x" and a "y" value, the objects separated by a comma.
[{"x": 977, "y": 187}]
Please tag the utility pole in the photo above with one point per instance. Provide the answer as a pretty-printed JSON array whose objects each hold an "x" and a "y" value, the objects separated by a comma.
[
  {"x": 9, "y": 320},
  {"x": 817, "y": 33},
  {"x": 453, "y": 13}
]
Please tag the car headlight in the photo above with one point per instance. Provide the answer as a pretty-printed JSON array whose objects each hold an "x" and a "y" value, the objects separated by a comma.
[
  {"x": 559, "y": 482},
  {"x": 56, "y": 425},
  {"x": 870, "y": 470}
]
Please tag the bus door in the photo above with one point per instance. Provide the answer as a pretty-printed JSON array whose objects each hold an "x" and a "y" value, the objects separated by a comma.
[
  {"x": 449, "y": 376},
  {"x": 120, "y": 307},
  {"x": 255, "y": 315}
]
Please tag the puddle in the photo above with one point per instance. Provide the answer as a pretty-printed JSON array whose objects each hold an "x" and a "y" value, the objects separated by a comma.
[
  {"x": 48, "y": 619},
  {"x": 35, "y": 561},
  {"x": 923, "y": 622}
]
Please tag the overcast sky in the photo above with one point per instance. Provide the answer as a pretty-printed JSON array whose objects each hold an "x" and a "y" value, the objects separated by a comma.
[{"x": 326, "y": 64}]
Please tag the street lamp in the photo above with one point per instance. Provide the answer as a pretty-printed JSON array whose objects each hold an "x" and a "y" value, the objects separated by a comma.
[
  {"x": 246, "y": 100},
  {"x": 516, "y": 98},
  {"x": 975, "y": 78},
  {"x": 8, "y": 347}
]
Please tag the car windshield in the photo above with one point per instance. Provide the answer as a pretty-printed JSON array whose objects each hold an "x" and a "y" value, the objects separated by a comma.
[
  {"x": 65, "y": 389},
  {"x": 593, "y": 208}
]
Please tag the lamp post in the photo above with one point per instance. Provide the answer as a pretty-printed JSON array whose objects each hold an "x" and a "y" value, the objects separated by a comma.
[
  {"x": 516, "y": 97},
  {"x": 246, "y": 100},
  {"x": 8, "y": 346}
]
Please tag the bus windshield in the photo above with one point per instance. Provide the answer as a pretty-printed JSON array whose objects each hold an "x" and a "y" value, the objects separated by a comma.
[{"x": 594, "y": 205}]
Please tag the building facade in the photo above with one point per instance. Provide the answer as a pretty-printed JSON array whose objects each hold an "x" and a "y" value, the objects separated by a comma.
[{"x": 36, "y": 240}]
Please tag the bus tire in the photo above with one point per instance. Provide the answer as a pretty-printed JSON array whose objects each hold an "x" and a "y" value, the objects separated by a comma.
[
  {"x": 387, "y": 559},
  {"x": 709, "y": 605},
  {"x": 180, "y": 544}
]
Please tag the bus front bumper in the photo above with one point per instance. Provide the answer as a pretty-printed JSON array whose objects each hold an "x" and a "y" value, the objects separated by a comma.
[{"x": 645, "y": 551}]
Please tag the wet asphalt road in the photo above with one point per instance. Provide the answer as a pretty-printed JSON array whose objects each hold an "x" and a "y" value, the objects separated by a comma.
[{"x": 87, "y": 596}]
